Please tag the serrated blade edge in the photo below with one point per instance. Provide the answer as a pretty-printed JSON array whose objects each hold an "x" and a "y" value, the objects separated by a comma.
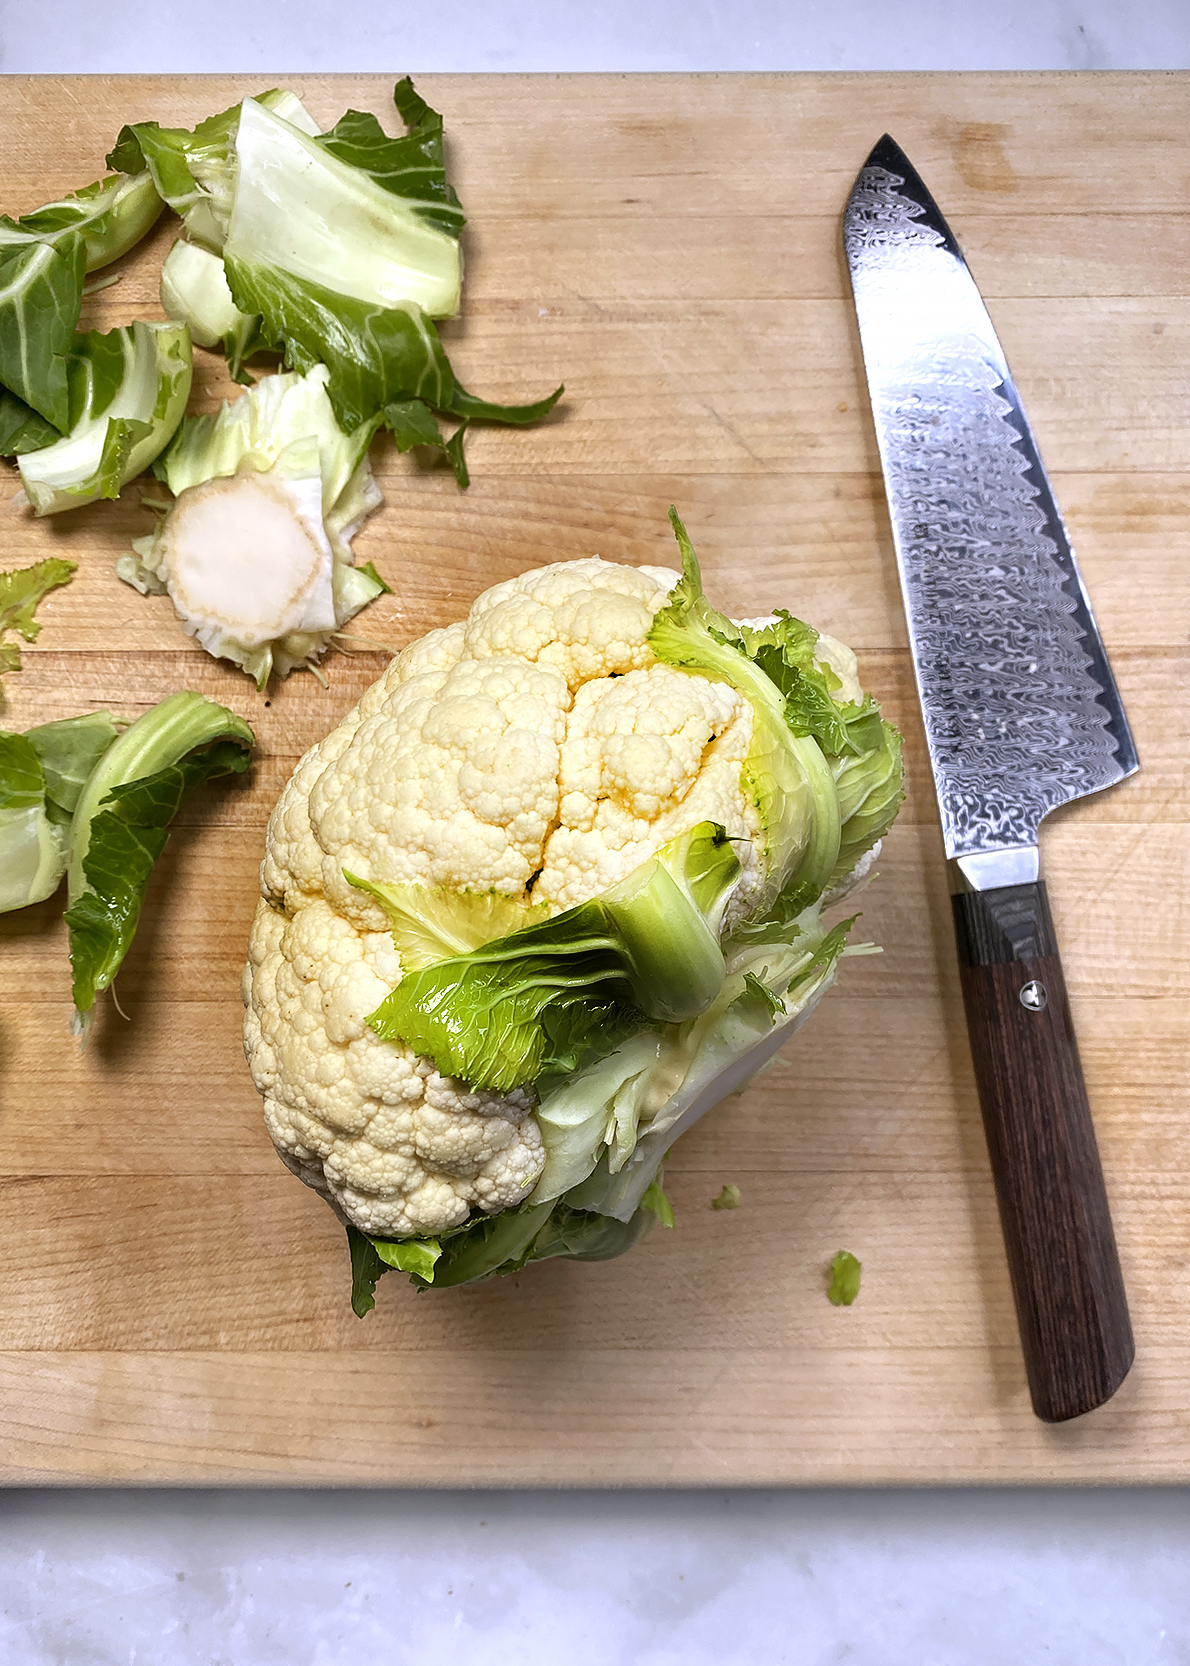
[{"x": 1021, "y": 710}]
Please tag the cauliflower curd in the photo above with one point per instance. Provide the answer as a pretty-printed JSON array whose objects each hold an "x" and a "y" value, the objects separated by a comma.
[
  {"x": 551, "y": 892},
  {"x": 537, "y": 749}
]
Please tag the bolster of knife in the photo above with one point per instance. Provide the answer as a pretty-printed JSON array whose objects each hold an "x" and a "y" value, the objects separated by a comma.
[{"x": 1062, "y": 1256}]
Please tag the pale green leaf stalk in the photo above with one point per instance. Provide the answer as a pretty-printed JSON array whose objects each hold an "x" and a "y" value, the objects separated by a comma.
[
  {"x": 121, "y": 822},
  {"x": 194, "y": 291},
  {"x": 128, "y": 392},
  {"x": 42, "y": 774},
  {"x": 299, "y": 207},
  {"x": 111, "y": 216},
  {"x": 44, "y": 257},
  {"x": 195, "y": 171}
]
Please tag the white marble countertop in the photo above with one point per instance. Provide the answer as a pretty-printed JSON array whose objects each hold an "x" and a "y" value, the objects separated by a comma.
[
  {"x": 224, "y": 36},
  {"x": 876, "y": 1578}
]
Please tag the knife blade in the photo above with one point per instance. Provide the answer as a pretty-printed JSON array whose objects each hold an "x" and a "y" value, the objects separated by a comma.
[{"x": 1022, "y": 715}]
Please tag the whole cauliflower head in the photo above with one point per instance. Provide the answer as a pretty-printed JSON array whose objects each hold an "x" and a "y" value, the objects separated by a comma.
[{"x": 536, "y": 749}]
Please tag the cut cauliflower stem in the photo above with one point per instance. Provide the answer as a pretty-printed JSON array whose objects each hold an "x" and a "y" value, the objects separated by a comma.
[
  {"x": 539, "y": 749},
  {"x": 255, "y": 552}
]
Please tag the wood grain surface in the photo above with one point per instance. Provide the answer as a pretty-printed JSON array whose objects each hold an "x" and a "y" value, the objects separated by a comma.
[{"x": 174, "y": 1305}]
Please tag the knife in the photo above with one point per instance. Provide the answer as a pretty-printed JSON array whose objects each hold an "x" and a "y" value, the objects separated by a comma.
[{"x": 1021, "y": 715}]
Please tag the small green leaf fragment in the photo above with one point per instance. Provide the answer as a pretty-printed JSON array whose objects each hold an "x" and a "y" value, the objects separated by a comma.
[
  {"x": 762, "y": 993},
  {"x": 20, "y": 592},
  {"x": 22, "y": 589},
  {"x": 454, "y": 453},
  {"x": 413, "y": 1255},
  {"x": 366, "y": 1268},
  {"x": 844, "y": 1283},
  {"x": 412, "y": 423},
  {"x": 369, "y": 568},
  {"x": 658, "y": 1204},
  {"x": 729, "y": 1198},
  {"x": 69, "y": 749},
  {"x": 21, "y": 429}
]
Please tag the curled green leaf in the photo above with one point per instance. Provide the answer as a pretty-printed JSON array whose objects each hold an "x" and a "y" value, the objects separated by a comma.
[
  {"x": 42, "y": 773},
  {"x": 111, "y": 216},
  {"x": 488, "y": 1016},
  {"x": 128, "y": 391},
  {"x": 121, "y": 823}
]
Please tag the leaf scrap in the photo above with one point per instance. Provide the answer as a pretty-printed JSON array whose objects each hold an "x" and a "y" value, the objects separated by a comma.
[
  {"x": 844, "y": 1284},
  {"x": 20, "y": 592}
]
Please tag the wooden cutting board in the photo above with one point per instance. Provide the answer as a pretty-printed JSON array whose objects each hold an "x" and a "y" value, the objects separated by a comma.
[{"x": 174, "y": 1304}]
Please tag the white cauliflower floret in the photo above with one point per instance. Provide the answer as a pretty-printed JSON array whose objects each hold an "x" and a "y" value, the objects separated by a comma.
[
  {"x": 402, "y": 1150},
  {"x": 537, "y": 749},
  {"x": 588, "y": 618},
  {"x": 452, "y": 781},
  {"x": 647, "y": 756}
]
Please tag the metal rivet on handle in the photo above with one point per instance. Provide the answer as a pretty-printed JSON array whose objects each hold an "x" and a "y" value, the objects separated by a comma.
[{"x": 1033, "y": 996}]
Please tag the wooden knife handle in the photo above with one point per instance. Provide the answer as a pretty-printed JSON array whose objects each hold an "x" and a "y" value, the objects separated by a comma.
[{"x": 1070, "y": 1301}]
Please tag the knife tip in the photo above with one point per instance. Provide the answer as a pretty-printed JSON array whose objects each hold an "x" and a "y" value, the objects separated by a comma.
[{"x": 887, "y": 153}]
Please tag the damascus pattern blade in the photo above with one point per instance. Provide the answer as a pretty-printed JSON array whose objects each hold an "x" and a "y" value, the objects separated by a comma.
[{"x": 1021, "y": 709}]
